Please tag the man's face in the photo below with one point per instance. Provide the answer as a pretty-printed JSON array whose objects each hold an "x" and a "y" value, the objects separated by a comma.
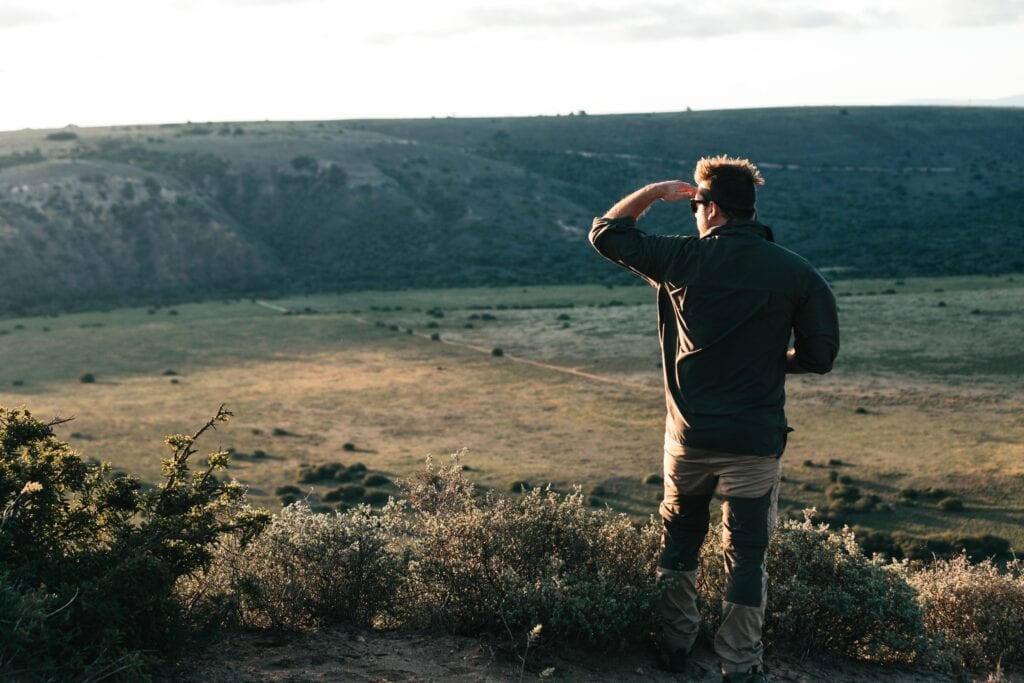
[{"x": 701, "y": 214}]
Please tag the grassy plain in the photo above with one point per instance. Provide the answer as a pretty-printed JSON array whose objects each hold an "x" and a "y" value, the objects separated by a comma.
[{"x": 928, "y": 391}]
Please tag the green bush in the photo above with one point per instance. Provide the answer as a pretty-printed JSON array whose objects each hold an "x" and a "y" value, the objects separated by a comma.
[
  {"x": 950, "y": 505},
  {"x": 307, "y": 570},
  {"x": 501, "y": 565},
  {"x": 331, "y": 471},
  {"x": 348, "y": 492},
  {"x": 977, "y": 609},
  {"x": 89, "y": 561},
  {"x": 824, "y": 595}
]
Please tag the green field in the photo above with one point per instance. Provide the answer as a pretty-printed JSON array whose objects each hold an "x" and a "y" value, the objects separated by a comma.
[{"x": 927, "y": 392}]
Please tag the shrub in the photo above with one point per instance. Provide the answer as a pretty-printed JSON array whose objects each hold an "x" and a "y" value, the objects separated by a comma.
[
  {"x": 975, "y": 608},
  {"x": 87, "y": 378},
  {"x": 950, "y": 505},
  {"x": 375, "y": 480},
  {"x": 842, "y": 492},
  {"x": 825, "y": 596},
  {"x": 977, "y": 548},
  {"x": 348, "y": 492},
  {"x": 498, "y": 565},
  {"x": 497, "y": 351},
  {"x": 376, "y": 498},
  {"x": 307, "y": 570},
  {"x": 62, "y": 135},
  {"x": 653, "y": 479},
  {"x": 881, "y": 543},
  {"x": 331, "y": 471},
  {"x": 89, "y": 560}
]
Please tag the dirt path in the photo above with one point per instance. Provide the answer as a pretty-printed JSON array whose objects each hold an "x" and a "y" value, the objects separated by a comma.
[
  {"x": 481, "y": 349},
  {"x": 357, "y": 654}
]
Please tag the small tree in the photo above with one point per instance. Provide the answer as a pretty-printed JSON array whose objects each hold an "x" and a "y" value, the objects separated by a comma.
[{"x": 88, "y": 561}]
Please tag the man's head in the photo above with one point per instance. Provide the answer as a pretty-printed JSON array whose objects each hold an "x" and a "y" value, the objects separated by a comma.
[{"x": 726, "y": 190}]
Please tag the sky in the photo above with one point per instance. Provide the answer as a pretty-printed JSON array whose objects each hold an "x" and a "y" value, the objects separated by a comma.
[{"x": 114, "y": 62}]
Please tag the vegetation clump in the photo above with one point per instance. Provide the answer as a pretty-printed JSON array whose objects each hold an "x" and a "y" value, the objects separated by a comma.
[
  {"x": 950, "y": 505},
  {"x": 375, "y": 480},
  {"x": 347, "y": 492},
  {"x": 501, "y": 565},
  {"x": 861, "y": 607},
  {"x": 89, "y": 560},
  {"x": 308, "y": 570},
  {"x": 99, "y": 577},
  {"x": 976, "y": 609}
]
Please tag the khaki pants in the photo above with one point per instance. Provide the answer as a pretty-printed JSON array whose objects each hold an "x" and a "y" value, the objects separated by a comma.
[{"x": 749, "y": 485}]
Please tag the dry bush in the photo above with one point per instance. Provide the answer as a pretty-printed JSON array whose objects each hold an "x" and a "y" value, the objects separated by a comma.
[
  {"x": 308, "y": 569},
  {"x": 503, "y": 565},
  {"x": 976, "y": 609},
  {"x": 824, "y": 595}
]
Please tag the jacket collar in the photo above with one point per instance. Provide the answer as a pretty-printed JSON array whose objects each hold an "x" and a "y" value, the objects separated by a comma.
[{"x": 750, "y": 228}]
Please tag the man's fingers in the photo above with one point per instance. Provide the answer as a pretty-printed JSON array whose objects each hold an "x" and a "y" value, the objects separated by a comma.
[{"x": 676, "y": 190}]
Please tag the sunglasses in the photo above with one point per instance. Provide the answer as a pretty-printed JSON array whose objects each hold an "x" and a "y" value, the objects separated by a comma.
[{"x": 695, "y": 202}]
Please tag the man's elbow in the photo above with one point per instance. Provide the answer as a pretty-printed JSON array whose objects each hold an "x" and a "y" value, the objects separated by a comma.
[
  {"x": 818, "y": 361},
  {"x": 816, "y": 368}
]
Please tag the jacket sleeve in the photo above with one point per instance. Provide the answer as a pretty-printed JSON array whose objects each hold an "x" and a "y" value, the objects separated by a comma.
[
  {"x": 649, "y": 256},
  {"x": 816, "y": 328}
]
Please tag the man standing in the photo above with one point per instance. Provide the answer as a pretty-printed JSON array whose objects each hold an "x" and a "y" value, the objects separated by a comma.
[{"x": 729, "y": 299}]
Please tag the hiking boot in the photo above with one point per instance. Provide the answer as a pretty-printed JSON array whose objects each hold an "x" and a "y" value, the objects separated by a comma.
[
  {"x": 756, "y": 674},
  {"x": 671, "y": 659}
]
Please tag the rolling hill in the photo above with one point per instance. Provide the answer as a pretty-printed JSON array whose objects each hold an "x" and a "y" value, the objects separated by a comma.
[{"x": 102, "y": 216}]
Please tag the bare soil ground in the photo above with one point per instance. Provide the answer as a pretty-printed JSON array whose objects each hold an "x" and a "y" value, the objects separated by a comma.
[{"x": 357, "y": 654}]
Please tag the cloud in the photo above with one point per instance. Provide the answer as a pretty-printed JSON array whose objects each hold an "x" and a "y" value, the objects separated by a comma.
[
  {"x": 657, "y": 20},
  {"x": 978, "y": 13},
  {"x": 15, "y": 17}
]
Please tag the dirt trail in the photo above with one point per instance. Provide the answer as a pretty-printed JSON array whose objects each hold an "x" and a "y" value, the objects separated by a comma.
[
  {"x": 512, "y": 357},
  {"x": 359, "y": 654}
]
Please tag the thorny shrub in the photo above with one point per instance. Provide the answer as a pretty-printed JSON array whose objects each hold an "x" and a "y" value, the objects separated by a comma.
[
  {"x": 976, "y": 609},
  {"x": 307, "y": 570},
  {"x": 502, "y": 565},
  {"x": 824, "y": 595},
  {"x": 88, "y": 560}
]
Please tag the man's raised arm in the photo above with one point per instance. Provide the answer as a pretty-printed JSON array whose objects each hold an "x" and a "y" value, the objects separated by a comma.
[
  {"x": 615, "y": 236},
  {"x": 635, "y": 204}
]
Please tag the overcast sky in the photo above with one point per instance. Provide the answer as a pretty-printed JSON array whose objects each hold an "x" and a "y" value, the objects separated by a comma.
[{"x": 151, "y": 61}]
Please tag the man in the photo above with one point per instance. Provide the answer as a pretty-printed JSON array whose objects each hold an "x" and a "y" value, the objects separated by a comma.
[{"x": 729, "y": 299}]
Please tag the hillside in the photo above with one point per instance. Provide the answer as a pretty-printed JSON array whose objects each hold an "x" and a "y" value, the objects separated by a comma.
[{"x": 160, "y": 213}]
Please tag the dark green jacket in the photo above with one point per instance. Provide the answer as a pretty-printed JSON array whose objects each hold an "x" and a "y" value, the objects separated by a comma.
[{"x": 728, "y": 304}]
